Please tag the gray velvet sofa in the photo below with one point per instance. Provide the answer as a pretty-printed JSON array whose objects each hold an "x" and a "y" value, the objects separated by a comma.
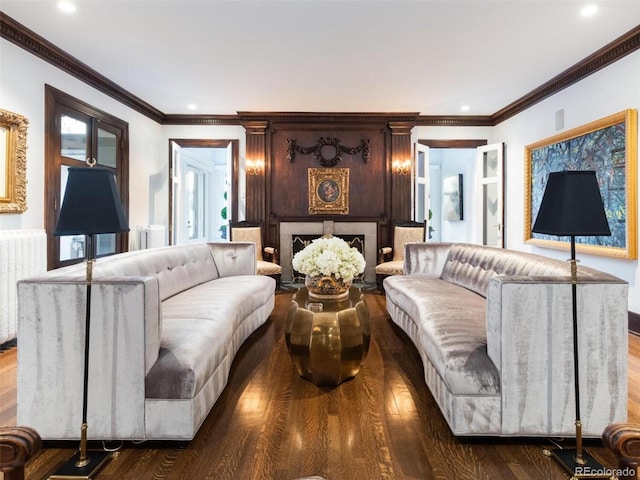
[
  {"x": 166, "y": 324},
  {"x": 494, "y": 330}
]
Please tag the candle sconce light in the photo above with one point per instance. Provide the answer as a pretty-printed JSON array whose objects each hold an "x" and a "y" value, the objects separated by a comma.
[
  {"x": 254, "y": 167},
  {"x": 402, "y": 167}
]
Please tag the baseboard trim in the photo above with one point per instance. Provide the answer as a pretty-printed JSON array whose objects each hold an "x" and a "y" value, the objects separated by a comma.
[{"x": 634, "y": 322}]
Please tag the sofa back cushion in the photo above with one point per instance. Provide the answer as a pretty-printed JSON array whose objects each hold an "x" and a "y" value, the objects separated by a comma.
[
  {"x": 471, "y": 266},
  {"x": 177, "y": 268}
]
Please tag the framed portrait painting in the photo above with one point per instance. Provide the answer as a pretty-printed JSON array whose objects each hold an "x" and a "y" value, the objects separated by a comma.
[
  {"x": 607, "y": 146},
  {"x": 329, "y": 191}
]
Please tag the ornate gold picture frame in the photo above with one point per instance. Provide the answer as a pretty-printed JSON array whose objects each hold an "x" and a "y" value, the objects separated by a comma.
[
  {"x": 329, "y": 191},
  {"x": 609, "y": 147},
  {"x": 13, "y": 162}
]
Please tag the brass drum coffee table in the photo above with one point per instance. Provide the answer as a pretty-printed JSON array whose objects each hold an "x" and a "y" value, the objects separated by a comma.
[{"x": 328, "y": 340}]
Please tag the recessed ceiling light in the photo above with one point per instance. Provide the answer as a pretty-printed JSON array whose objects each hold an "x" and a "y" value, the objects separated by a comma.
[
  {"x": 589, "y": 10},
  {"x": 67, "y": 7},
  {"x": 192, "y": 106},
  {"x": 465, "y": 108}
]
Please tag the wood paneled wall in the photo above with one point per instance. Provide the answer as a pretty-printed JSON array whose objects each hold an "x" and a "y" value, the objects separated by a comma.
[{"x": 280, "y": 191}]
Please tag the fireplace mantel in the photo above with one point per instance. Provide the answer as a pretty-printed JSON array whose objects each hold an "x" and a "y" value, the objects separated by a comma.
[{"x": 368, "y": 229}]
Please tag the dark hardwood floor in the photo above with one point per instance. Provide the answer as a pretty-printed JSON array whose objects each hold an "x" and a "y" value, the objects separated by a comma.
[{"x": 271, "y": 424}]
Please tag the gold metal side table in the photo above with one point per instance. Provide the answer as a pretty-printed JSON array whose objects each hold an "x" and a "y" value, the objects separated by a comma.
[{"x": 328, "y": 340}]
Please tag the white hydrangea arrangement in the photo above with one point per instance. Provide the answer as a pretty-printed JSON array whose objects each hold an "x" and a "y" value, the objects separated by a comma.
[{"x": 329, "y": 256}]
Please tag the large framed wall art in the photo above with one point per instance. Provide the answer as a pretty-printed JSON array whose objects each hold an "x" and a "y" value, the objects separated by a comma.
[{"x": 608, "y": 146}]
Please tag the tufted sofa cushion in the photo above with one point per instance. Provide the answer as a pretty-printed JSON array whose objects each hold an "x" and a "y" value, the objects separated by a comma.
[
  {"x": 177, "y": 268},
  {"x": 472, "y": 266}
]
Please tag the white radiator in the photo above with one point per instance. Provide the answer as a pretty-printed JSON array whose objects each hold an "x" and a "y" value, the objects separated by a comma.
[
  {"x": 23, "y": 253},
  {"x": 151, "y": 236}
]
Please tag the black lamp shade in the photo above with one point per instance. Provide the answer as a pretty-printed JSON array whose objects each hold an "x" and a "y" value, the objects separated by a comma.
[
  {"x": 572, "y": 205},
  {"x": 91, "y": 204}
]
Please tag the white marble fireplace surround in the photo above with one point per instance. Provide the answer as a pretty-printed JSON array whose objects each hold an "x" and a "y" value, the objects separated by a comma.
[{"x": 290, "y": 229}]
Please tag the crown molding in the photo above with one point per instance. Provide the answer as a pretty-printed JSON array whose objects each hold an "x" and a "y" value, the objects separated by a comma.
[
  {"x": 180, "y": 119},
  {"x": 30, "y": 41},
  {"x": 610, "y": 53},
  {"x": 328, "y": 117},
  {"x": 454, "y": 121},
  {"x": 21, "y": 36}
]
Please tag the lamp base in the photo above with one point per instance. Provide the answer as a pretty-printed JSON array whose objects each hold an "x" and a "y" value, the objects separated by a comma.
[
  {"x": 69, "y": 470},
  {"x": 591, "y": 468}
]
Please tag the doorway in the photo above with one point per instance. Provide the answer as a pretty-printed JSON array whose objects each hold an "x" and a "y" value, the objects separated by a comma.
[
  {"x": 203, "y": 195},
  {"x": 468, "y": 171}
]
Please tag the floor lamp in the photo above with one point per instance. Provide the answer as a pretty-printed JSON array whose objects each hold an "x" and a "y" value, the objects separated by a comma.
[
  {"x": 572, "y": 206},
  {"x": 91, "y": 206}
]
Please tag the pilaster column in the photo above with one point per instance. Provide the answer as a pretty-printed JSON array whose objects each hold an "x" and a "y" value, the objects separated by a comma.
[
  {"x": 256, "y": 170},
  {"x": 401, "y": 170}
]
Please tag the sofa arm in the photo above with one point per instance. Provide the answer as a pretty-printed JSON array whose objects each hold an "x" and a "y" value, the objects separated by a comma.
[
  {"x": 271, "y": 254},
  {"x": 385, "y": 254},
  {"x": 426, "y": 258},
  {"x": 530, "y": 340},
  {"x": 234, "y": 258},
  {"x": 124, "y": 345},
  {"x": 623, "y": 439}
]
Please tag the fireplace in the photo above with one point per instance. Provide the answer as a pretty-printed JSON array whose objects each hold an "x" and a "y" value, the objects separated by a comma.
[{"x": 363, "y": 233}]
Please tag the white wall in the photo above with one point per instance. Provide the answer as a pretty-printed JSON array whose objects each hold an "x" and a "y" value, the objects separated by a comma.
[
  {"x": 22, "y": 81},
  {"x": 611, "y": 90}
]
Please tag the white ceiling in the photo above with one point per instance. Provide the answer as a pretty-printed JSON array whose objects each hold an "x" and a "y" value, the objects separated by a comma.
[{"x": 425, "y": 56}]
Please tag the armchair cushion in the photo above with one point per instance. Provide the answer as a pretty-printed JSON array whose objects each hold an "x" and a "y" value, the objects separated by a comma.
[
  {"x": 268, "y": 268},
  {"x": 266, "y": 257},
  {"x": 403, "y": 235},
  {"x": 391, "y": 259},
  {"x": 395, "y": 267},
  {"x": 249, "y": 234}
]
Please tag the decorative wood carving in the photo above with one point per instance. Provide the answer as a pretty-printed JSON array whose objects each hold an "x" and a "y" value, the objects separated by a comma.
[
  {"x": 323, "y": 142},
  {"x": 17, "y": 446}
]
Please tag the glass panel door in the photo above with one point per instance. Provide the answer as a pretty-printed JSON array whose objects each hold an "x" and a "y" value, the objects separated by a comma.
[
  {"x": 421, "y": 203},
  {"x": 74, "y": 151},
  {"x": 74, "y": 133},
  {"x": 107, "y": 149},
  {"x": 490, "y": 215},
  {"x": 74, "y": 142},
  {"x": 107, "y": 156},
  {"x": 194, "y": 192}
]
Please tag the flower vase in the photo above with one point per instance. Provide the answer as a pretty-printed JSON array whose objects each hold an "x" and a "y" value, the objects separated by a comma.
[{"x": 327, "y": 287}]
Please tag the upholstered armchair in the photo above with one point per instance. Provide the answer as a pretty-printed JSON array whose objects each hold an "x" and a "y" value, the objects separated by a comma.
[
  {"x": 391, "y": 259},
  {"x": 267, "y": 257}
]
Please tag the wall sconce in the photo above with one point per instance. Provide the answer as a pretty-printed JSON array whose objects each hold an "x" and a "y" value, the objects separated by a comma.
[
  {"x": 402, "y": 167},
  {"x": 253, "y": 167}
]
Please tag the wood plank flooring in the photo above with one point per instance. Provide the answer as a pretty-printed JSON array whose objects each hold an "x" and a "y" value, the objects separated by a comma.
[{"x": 271, "y": 424}]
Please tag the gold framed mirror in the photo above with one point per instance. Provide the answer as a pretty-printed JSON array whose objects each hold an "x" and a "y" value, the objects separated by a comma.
[{"x": 13, "y": 162}]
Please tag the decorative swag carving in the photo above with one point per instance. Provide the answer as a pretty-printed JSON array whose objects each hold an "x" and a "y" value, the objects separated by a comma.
[{"x": 327, "y": 144}]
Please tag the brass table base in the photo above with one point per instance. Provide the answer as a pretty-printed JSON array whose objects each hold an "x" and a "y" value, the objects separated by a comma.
[{"x": 328, "y": 347}]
